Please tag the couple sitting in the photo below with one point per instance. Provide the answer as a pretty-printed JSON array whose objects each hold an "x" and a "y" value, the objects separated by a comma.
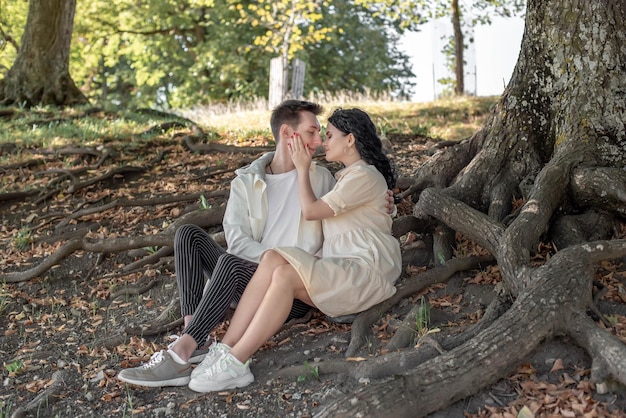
[{"x": 296, "y": 239}]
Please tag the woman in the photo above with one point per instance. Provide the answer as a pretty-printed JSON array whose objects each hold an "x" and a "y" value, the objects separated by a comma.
[{"x": 360, "y": 258}]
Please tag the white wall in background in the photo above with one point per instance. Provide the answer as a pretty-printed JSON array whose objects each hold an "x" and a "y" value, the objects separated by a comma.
[{"x": 489, "y": 61}]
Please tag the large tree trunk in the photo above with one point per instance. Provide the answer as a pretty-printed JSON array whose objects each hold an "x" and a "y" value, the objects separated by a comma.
[
  {"x": 557, "y": 138},
  {"x": 40, "y": 74}
]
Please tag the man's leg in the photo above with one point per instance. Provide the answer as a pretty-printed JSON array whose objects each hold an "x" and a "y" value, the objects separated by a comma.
[
  {"x": 228, "y": 282},
  {"x": 195, "y": 257}
]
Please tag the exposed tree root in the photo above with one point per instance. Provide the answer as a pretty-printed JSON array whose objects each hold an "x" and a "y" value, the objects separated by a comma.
[
  {"x": 161, "y": 200},
  {"x": 134, "y": 290},
  {"x": 166, "y": 239},
  {"x": 364, "y": 320},
  {"x": 168, "y": 320},
  {"x": 494, "y": 351},
  {"x": 119, "y": 171},
  {"x": 62, "y": 380},
  {"x": 398, "y": 362},
  {"x": 211, "y": 147}
]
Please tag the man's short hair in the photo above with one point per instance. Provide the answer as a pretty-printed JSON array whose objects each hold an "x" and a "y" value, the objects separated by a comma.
[{"x": 289, "y": 112}]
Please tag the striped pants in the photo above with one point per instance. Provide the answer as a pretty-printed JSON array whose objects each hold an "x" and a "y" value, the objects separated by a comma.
[{"x": 197, "y": 256}]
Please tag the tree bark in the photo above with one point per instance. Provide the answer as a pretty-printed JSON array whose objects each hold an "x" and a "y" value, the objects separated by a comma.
[
  {"x": 557, "y": 139},
  {"x": 459, "y": 63},
  {"x": 40, "y": 73}
]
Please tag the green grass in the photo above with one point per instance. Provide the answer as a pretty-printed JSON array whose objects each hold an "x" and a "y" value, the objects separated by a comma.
[
  {"x": 455, "y": 118},
  {"x": 55, "y": 128},
  {"x": 15, "y": 366},
  {"x": 311, "y": 371},
  {"x": 422, "y": 321},
  {"x": 5, "y": 409}
]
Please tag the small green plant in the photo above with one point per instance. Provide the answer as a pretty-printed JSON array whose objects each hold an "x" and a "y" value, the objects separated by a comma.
[
  {"x": 129, "y": 402},
  {"x": 3, "y": 303},
  {"x": 383, "y": 128},
  {"x": 22, "y": 238},
  {"x": 151, "y": 250},
  {"x": 422, "y": 321},
  {"x": 5, "y": 409},
  {"x": 204, "y": 205},
  {"x": 312, "y": 371},
  {"x": 15, "y": 366},
  {"x": 5, "y": 299}
]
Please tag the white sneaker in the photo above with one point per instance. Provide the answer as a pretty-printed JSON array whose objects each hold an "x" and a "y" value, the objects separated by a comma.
[
  {"x": 226, "y": 373},
  {"x": 213, "y": 354}
]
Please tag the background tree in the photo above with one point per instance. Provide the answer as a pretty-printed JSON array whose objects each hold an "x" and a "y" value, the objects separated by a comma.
[
  {"x": 40, "y": 73},
  {"x": 184, "y": 53},
  {"x": 12, "y": 21},
  {"x": 350, "y": 58}
]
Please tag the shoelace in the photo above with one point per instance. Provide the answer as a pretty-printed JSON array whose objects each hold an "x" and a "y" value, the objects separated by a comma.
[
  {"x": 219, "y": 366},
  {"x": 154, "y": 360}
]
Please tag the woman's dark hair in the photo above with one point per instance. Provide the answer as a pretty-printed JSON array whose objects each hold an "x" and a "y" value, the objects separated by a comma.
[
  {"x": 368, "y": 143},
  {"x": 289, "y": 112}
]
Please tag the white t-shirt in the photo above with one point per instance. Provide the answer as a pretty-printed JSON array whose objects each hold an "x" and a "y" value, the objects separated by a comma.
[{"x": 283, "y": 211}]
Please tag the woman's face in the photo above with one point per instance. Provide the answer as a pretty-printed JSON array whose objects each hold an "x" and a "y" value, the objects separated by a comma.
[{"x": 335, "y": 143}]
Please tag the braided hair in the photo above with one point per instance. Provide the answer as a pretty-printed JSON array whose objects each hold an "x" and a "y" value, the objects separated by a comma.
[{"x": 368, "y": 143}]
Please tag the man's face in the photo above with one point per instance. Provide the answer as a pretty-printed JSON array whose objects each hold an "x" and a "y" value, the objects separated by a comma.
[{"x": 309, "y": 130}]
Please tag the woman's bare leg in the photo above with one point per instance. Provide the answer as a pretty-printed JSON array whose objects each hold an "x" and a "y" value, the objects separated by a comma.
[
  {"x": 252, "y": 297},
  {"x": 285, "y": 286}
]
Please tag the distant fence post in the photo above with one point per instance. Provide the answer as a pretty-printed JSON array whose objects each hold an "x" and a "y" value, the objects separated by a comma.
[
  {"x": 279, "y": 79},
  {"x": 298, "y": 68}
]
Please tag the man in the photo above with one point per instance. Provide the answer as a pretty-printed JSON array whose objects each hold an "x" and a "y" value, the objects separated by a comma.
[{"x": 263, "y": 211}]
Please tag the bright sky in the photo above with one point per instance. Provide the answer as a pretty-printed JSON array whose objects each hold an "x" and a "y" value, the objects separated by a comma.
[{"x": 494, "y": 54}]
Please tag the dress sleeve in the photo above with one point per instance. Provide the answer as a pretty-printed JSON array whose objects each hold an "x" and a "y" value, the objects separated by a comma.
[{"x": 357, "y": 188}]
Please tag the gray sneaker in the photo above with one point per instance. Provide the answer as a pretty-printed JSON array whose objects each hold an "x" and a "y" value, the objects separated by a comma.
[
  {"x": 198, "y": 355},
  {"x": 226, "y": 373},
  {"x": 161, "y": 370},
  {"x": 215, "y": 351}
]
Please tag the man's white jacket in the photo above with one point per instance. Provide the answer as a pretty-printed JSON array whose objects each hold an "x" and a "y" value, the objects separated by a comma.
[{"x": 246, "y": 210}]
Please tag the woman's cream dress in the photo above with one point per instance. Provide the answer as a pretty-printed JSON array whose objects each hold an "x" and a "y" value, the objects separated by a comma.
[{"x": 361, "y": 260}]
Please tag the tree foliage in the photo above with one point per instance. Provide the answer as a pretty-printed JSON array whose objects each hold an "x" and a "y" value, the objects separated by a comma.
[
  {"x": 172, "y": 53},
  {"x": 351, "y": 57},
  {"x": 12, "y": 21}
]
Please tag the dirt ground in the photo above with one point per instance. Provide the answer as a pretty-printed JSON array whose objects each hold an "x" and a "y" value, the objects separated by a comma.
[
  {"x": 52, "y": 327},
  {"x": 559, "y": 370}
]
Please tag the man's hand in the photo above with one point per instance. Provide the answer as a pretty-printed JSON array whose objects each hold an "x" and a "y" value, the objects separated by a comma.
[{"x": 391, "y": 207}]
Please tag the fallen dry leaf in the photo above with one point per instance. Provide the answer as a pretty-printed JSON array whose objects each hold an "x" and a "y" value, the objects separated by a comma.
[{"x": 558, "y": 365}]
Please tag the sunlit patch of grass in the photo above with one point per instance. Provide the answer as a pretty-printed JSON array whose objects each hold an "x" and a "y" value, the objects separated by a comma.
[
  {"x": 237, "y": 123},
  {"x": 80, "y": 126},
  {"x": 450, "y": 119}
]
